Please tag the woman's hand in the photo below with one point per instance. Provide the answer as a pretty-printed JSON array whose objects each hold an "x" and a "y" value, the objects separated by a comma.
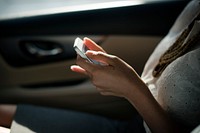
[{"x": 115, "y": 78}]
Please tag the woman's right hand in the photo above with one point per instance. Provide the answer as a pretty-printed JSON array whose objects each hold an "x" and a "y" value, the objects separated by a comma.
[{"x": 116, "y": 78}]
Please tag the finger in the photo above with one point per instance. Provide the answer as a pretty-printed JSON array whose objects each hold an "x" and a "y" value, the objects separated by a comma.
[
  {"x": 92, "y": 45},
  {"x": 101, "y": 57},
  {"x": 86, "y": 65},
  {"x": 78, "y": 69}
]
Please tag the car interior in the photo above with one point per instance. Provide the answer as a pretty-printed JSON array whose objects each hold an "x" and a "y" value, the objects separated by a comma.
[{"x": 36, "y": 48}]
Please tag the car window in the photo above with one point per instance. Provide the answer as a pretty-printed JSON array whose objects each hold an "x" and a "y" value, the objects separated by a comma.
[{"x": 22, "y": 8}]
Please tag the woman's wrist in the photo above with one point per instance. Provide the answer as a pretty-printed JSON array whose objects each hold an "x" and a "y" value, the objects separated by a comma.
[{"x": 136, "y": 89}]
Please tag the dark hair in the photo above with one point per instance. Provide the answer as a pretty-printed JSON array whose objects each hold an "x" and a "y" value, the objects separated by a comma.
[{"x": 178, "y": 49}]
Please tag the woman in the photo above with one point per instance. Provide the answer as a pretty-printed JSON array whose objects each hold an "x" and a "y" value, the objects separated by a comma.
[{"x": 166, "y": 96}]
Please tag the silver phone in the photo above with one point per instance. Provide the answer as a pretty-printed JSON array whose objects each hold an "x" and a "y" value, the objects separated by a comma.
[{"x": 80, "y": 49}]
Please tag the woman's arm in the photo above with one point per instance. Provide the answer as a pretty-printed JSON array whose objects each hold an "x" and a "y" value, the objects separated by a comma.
[{"x": 117, "y": 78}]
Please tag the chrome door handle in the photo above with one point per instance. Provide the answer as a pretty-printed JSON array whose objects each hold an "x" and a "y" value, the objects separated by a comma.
[{"x": 43, "y": 49}]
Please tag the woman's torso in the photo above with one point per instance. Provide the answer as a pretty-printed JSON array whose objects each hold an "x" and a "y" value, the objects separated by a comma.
[{"x": 178, "y": 87}]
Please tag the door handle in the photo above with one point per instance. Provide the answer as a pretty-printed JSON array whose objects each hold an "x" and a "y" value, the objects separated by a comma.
[{"x": 43, "y": 48}]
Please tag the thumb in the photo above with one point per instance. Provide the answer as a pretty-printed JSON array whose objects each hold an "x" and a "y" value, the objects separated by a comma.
[{"x": 101, "y": 57}]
